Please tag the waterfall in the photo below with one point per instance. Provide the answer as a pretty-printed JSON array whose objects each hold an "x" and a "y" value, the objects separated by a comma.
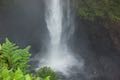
[
  {"x": 54, "y": 22},
  {"x": 58, "y": 56}
]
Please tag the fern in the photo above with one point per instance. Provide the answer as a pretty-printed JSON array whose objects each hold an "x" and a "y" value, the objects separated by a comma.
[
  {"x": 6, "y": 74},
  {"x": 13, "y": 56},
  {"x": 14, "y": 64}
]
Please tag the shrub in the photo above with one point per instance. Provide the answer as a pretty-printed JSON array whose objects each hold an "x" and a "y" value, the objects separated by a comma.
[{"x": 47, "y": 72}]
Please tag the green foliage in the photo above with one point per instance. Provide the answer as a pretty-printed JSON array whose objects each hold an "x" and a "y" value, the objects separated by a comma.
[
  {"x": 13, "y": 57},
  {"x": 91, "y": 9},
  {"x": 14, "y": 64},
  {"x": 6, "y": 74},
  {"x": 47, "y": 72}
]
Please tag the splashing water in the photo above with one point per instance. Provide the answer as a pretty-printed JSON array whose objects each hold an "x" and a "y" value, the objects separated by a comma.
[{"x": 58, "y": 57}]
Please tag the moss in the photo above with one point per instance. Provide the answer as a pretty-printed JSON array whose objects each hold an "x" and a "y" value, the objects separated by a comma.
[{"x": 91, "y": 9}]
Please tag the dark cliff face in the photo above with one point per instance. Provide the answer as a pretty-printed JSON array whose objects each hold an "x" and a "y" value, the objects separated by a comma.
[
  {"x": 23, "y": 22},
  {"x": 98, "y": 44},
  {"x": 114, "y": 31}
]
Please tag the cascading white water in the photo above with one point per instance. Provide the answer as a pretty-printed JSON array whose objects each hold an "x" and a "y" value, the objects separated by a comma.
[
  {"x": 58, "y": 56},
  {"x": 54, "y": 22}
]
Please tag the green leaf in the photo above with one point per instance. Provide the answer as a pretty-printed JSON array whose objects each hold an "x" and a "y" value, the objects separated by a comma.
[
  {"x": 18, "y": 75},
  {"x": 28, "y": 77},
  {"x": 5, "y": 74},
  {"x": 47, "y": 78}
]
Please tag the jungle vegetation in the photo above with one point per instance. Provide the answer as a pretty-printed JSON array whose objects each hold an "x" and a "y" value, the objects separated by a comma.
[
  {"x": 91, "y": 9},
  {"x": 14, "y": 64}
]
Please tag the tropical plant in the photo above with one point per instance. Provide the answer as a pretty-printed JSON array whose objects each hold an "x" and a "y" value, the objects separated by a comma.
[
  {"x": 13, "y": 57},
  {"x": 47, "y": 72},
  {"x": 6, "y": 74},
  {"x": 14, "y": 64}
]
